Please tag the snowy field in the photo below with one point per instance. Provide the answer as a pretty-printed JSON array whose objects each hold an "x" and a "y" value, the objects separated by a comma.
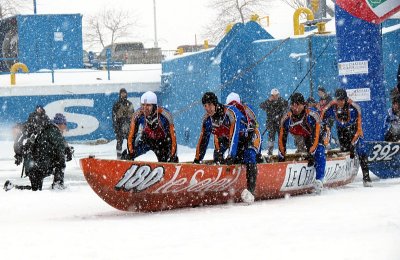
[{"x": 352, "y": 222}]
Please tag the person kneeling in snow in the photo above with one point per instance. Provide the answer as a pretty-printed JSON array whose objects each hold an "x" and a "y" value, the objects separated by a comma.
[
  {"x": 43, "y": 155},
  {"x": 230, "y": 128},
  {"x": 152, "y": 128}
]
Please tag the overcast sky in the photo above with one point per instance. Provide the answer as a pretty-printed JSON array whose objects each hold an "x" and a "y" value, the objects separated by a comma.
[{"x": 178, "y": 21}]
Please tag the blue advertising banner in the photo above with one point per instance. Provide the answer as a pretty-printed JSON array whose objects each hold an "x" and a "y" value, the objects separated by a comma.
[{"x": 88, "y": 108}]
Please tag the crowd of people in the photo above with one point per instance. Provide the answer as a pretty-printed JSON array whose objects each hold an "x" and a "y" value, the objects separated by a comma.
[{"x": 40, "y": 146}]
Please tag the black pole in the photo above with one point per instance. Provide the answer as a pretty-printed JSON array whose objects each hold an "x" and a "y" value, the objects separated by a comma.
[{"x": 34, "y": 6}]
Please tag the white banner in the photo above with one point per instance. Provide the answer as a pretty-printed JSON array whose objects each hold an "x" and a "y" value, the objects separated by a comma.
[{"x": 353, "y": 67}]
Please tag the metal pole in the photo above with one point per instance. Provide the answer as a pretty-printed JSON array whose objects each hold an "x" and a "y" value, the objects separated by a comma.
[
  {"x": 155, "y": 25},
  {"x": 34, "y": 6}
]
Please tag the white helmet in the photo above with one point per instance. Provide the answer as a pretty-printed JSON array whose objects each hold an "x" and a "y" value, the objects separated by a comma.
[
  {"x": 149, "y": 98},
  {"x": 274, "y": 91},
  {"x": 232, "y": 97}
]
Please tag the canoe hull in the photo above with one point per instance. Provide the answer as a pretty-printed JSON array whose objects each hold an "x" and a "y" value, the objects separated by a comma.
[{"x": 152, "y": 186}]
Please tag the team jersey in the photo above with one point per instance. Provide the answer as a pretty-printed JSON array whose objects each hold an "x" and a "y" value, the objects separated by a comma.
[
  {"x": 227, "y": 123},
  {"x": 158, "y": 127},
  {"x": 348, "y": 117},
  {"x": 307, "y": 125}
]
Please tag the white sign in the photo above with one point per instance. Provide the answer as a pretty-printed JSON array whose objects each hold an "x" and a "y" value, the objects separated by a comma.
[
  {"x": 359, "y": 94},
  {"x": 299, "y": 176},
  {"x": 58, "y": 36},
  {"x": 353, "y": 67}
]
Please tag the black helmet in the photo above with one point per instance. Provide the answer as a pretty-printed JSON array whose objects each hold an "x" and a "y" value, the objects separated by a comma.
[
  {"x": 297, "y": 98},
  {"x": 341, "y": 94},
  {"x": 209, "y": 97},
  {"x": 311, "y": 100}
]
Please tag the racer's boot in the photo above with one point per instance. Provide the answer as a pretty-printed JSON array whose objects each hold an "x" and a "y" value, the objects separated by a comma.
[
  {"x": 318, "y": 187},
  {"x": 251, "y": 176},
  {"x": 365, "y": 171},
  {"x": 8, "y": 185}
]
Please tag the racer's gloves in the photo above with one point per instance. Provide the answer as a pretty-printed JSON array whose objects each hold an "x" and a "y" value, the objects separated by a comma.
[
  {"x": 195, "y": 161},
  {"x": 229, "y": 161},
  {"x": 352, "y": 151},
  {"x": 311, "y": 160},
  {"x": 281, "y": 158}
]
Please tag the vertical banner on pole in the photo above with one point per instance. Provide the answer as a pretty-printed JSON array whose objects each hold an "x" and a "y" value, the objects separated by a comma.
[{"x": 360, "y": 61}]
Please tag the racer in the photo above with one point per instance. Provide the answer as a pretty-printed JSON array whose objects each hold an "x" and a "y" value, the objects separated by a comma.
[
  {"x": 232, "y": 134},
  {"x": 152, "y": 128},
  {"x": 301, "y": 121},
  {"x": 347, "y": 115}
]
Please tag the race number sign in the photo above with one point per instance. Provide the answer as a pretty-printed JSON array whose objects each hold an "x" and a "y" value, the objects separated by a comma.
[{"x": 374, "y": 11}]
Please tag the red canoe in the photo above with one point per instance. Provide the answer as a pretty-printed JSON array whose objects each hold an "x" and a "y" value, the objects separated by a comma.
[{"x": 152, "y": 186}]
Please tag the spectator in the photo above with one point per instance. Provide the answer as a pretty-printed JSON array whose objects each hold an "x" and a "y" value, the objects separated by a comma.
[
  {"x": 121, "y": 115},
  {"x": 275, "y": 107},
  {"x": 43, "y": 155},
  {"x": 392, "y": 122},
  {"x": 324, "y": 98}
]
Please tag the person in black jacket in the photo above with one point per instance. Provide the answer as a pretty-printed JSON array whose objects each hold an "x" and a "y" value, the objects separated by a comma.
[
  {"x": 275, "y": 107},
  {"x": 43, "y": 154},
  {"x": 121, "y": 115}
]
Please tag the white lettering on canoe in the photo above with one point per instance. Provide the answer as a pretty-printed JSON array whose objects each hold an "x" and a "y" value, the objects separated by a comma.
[
  {"x": 140, "y": 178},
  {"x": 299, "y": 176},
  {"x": 217, "y": 183}
]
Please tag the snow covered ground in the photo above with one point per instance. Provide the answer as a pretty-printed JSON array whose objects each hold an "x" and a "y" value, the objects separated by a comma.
[{"x": 352, "y": 222}]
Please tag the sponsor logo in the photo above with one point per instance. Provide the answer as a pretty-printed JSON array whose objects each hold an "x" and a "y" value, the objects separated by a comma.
[
  {"x": 196, "y": 184},
  {"x": 139, "y": 178},
  {"x": 299, "y": 176}
]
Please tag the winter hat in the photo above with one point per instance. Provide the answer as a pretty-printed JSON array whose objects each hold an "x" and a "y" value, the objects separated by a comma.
[
  {"x": 341, "y": 94},
  {"x": 209, "y": 98},
  {"x": 297, "y": 98},
  {"x": 274, "y": 91},
  {"x": 59, "y": 119},
  {"x": 232, "y": 97},
  {"x": 149, "y": 98},
  {"x": 396, "y": 100}
]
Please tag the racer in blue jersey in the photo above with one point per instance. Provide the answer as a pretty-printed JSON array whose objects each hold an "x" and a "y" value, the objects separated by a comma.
[
  {"x": 347, "y": 115},
  {"x": 301, "y": 121},
  {"x": 231, "y": 134},
  {"x": 152, "y": 128}
]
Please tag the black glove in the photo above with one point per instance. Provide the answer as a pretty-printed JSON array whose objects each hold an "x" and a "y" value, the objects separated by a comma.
[
  {"x": 18, "y": 158},
  {"x": 195, "y": 161},
  {"x": 311, "y": 160},
  {"x": 173, "y": 159},
  {"x": 352, "y": 151},
  {"x": 229, "y": 161},
  {"x": 219, "y": 157},
  {"x": 69, "y": 151}
]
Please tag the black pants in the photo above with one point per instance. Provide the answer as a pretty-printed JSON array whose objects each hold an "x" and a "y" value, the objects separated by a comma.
[{"x": 160, "y": 147}]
